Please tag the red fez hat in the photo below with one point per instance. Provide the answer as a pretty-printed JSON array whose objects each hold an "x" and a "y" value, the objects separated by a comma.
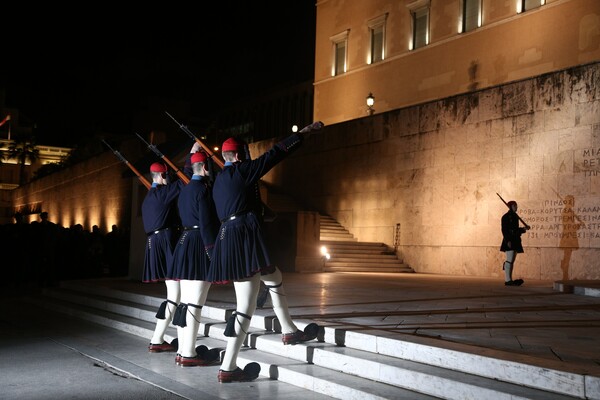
[
  {"x": 232, "y": 144},
  {"x": 158, "y": 167},
  {"x": 198, "y": 157}
]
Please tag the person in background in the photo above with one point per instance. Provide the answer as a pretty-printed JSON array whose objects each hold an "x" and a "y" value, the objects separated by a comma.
[
  {"x": 49, "y": 237},
  {"x": 161, "y": 222},
  {"x": 240, "y": 254},
  {"x": 511, "y": 242},
  {"x": 191, "y": 259}
]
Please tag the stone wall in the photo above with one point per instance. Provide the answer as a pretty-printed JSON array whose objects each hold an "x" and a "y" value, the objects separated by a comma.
[
  {"x": 428, "y": 177},
  {"x": 92, "y": 192}
]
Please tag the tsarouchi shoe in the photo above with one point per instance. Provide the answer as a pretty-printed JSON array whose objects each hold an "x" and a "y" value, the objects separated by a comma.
[
  {"x": 196, "y": 361},
  {"x": 159, "y": 348},
  {"x": 177, "y": 358},
  {"x": 203, "y": 357},
  {"x": 518, "y": 282},
  {"x": 249, "y": 373},
  {"x": 310, "y": 332}
]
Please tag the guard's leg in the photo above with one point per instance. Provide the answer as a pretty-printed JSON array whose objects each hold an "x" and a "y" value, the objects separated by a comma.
[
  {"x": 173, "y": 296},
  {"x": 194, "y": 293},
  {"x": 274, "y": 283},
  {"x": 508, "y": 265},
  {"x": 290, "y": 332},
  {"x": 517, "y": 282},
  {"x": 245, "y": 293}
]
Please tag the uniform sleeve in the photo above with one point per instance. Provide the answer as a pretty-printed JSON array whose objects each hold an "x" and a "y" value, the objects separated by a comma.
[
  {"x": 173, "y": 190},
  {"x": 187, "y": 166},
  {"x": 257, "y": 168}
]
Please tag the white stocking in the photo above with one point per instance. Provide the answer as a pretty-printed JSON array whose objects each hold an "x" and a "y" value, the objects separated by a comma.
[
  {"x": 193, "y": 293},
  {"x": 279, "y": 300},
  {"x": 246, "y": 292},
  {"x": 162, "y": 324},
  {"x": 508, "y": 265}
]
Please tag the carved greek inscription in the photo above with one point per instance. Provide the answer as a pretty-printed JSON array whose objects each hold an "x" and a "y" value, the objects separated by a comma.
[
  {"x": 591, "y": 161},
  {"x": 562, "y": 219}
]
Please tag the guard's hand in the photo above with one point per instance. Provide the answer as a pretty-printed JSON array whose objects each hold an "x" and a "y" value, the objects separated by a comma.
[
  {"x": 315, "y": 126},
  {"x": 195, "y": 148}
]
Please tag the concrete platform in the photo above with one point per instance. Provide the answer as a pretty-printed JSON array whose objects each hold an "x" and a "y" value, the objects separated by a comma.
[{"x": 551, "y": 325}]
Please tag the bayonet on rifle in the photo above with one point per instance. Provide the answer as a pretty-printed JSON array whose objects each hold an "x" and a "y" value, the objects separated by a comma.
[
  {"x": 153, "y": 147},
  {"x": 520, "y": 219},
  {"x": 267, "y": 212},
  {"x": 135, "y": 171},
  {"x": 206, "y": 149}
]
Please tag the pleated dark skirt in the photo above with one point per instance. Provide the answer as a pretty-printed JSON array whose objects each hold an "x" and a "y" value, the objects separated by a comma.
[
  {"x": 190, "y": 261},
  {"x": 517, "y": 246},
  {"x": 240, "y": 250},
  {"x": 157, "y": 256}
]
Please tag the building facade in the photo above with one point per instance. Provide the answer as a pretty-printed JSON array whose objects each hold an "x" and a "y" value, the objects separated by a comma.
[
  {"x": 408, "y": 52},
  {"x": 10, "y": 175},
  {"x": 472, "y": 100}
]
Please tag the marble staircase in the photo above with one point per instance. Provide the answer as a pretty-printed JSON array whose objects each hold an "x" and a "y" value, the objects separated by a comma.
[
  {"x": 342, "y": 363},
  {"x": 346, "y": 252}
]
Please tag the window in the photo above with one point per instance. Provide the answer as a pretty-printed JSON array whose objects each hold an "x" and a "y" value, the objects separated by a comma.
[
  {"x": 377, "y": 34},
  {"x": 340, "y": 51},
  {"x": 530, "y": 4},
  {"x": 471, "y": 15},
  {"x": 419, "y": 11}
]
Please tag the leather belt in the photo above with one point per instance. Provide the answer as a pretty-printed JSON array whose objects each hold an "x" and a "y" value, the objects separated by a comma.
[
  {"x": 157, "y": 231},
  {"x": 234, "y": 216}
]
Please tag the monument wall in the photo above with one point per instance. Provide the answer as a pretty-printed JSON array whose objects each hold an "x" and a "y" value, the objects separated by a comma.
[
  {"x": 89, "y": 193},
  {"x": 428, "y": 178},
  {"x": 425, "y": 178}
]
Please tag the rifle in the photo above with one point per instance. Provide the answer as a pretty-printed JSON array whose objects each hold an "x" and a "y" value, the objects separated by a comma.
[
  {"x": 520, "y": 219},
  {"x": 206, "y": 149},
  {"x": 120, "y": 157},
  {"x": 153, "y": 147},
  {"x": 267, "y": 213}
]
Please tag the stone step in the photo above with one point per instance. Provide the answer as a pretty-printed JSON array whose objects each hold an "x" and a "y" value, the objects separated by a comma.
[
  {"x": 349, "y": 359},
  {"x": 330, "y": 223},
  {"x": 349, "y": 256},
  {"x": 334, "y": 230},
  {"x": 335, "y": 233},
  {"x": 339, "y": 238},
  {"x": 376, "y": 245},
  {"x": 364, "y": 251},
  {"x": 276, "y": 363},
  {"x": 347, "y": 267},
  {"x": 325, "y": 380},
  {"x": 360, "y": 258},
  {"x": 343, "y": 247}
]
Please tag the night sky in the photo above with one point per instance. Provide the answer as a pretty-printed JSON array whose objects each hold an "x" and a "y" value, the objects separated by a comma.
[{"x": 84, "y": 70}]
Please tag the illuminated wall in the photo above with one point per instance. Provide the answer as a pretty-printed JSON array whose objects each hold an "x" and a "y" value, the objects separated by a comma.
[
  {"x": 508, "y": 46},
  {"x": 89, "y": 193},
  {"x": 433, "y": 171}
]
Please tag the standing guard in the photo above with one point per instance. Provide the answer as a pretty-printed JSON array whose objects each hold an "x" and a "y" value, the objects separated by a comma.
[
  {"x": 161, "y": 224},
  {"x": 191, "y": 259},
  {"x": 240, "y": 254}
]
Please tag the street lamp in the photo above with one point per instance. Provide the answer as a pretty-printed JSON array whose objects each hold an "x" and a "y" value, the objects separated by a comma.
[{"x": 370, "y": 103}]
